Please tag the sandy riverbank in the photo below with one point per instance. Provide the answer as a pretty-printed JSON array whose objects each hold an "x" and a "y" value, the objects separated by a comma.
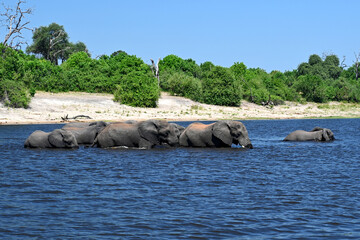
[{"x": 50, "y": 107}]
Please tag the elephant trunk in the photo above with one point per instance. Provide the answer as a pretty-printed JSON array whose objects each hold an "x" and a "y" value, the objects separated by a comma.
[{"x": 245, "y": 142}]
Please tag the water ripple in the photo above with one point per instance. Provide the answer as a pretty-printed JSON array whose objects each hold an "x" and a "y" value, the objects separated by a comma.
[{"x": 277, "y": 190}]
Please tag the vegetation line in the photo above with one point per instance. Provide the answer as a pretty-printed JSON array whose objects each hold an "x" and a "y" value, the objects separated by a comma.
[{"x": 53, "y": 64}]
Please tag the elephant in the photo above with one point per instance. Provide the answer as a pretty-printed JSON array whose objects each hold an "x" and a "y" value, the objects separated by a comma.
[
  {"x": 142, "y": 134},
  {"x": 85, "y": 133},
  {"x": 178, "y": 129},
  {"x": 218, "y": 134},
  {"x": 58, "y": 138},
  {"x": 316, "y": 134}
]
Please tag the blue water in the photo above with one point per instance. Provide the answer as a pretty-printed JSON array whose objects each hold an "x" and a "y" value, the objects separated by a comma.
[{"x": 278, "y": 190}]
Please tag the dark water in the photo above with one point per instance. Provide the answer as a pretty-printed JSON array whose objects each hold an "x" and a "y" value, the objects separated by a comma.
[{"x": 281, "y": 190}]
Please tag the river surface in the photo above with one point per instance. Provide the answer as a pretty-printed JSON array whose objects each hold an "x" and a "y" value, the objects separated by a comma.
[{"x": 278, "y": 190}]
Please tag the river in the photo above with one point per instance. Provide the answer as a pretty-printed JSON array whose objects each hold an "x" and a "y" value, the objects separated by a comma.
[{"x": 280, "y": 190}]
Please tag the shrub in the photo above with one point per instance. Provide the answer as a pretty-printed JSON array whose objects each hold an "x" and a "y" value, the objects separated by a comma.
[
  {"x": 184, "y": 85},
  {"x": 14, "y": 94},
  {"x": 221, "y": 88},
  {"x": 312, "y": 88},
  {"x": 138, "y": 90},
  {"x": 177, "y": 64}
]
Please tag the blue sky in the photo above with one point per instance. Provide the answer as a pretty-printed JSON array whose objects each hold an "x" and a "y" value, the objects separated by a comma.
[{"x": 269, "y": 34}]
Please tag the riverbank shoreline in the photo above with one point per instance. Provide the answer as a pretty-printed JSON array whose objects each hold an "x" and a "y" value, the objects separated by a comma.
[{"x": 50, "y": 108}]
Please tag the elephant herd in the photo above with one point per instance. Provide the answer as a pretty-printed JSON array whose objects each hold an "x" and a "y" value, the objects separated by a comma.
[{"x": 150, "y": 133}]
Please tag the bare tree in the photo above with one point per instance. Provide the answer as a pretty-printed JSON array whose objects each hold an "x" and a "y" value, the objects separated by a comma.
[
  {"x": 342, "y": 64},
  {"x": 155, "y": 70},
  {"x": 14, "y": 22},
  {"x": 57, "y": 37},
  {"x": 357, "y": 65}
]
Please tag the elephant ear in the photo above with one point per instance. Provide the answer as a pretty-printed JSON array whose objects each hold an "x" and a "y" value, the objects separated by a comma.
[
  {"x": 100, "y": 126},
  {"x": 56, "y": 138},
  {"x": 221, "y": 130},
  {"x": 328, "y": 135},
  {"x": 149, "y": 131},
  {"x": 325, "y": 135}
]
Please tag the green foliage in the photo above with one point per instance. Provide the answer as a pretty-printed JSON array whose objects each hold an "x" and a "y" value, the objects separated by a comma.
[
  {"x": 13, "y": 89},
  {"x": 254, "y": 87},
  {"x": 312, "y": 88},
  {"x": 239, "y": 70},
  {"x": 14, "y": 94},
  {"x": 138, "y": 90},
  {"x": 206, "y": 67},
  {"x": 184, "y": 85},
  {"x": 174, "y": 63},
  {"x": 132, "y": 82},
  {"x": 52, "y": 43},
  {"x": 314, "y": 59},
  {"x": 332, "y": 60},
  {"x": 221, "y": 88},
  {"x": 327, "y": 69}
]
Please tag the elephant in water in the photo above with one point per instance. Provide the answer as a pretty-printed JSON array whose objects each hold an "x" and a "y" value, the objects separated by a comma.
[
  {"x": 142, "y": 134},
  {"x": 219, "y": 134},
  {"x": 59, "y": 138},
  {"x": 317, "y": 134},
  {"x": 178, "y": 129},
  {"x": 85, "y": 133}
]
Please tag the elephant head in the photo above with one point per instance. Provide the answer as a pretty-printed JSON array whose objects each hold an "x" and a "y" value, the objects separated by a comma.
[
  {"x": 326, "y": 134},
  {"x": 59, "y": 138},
  {"x": 62, "y": 139},
  {"x": 178, "y": 129},
  {"x": 99, "y": 126},
  {"x": 232, "y": 132},
  {"x": 158, "y": 132}
]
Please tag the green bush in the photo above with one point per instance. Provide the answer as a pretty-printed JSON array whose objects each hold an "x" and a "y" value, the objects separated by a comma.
[
  {"x": 138, "y": 90},
  {"x": 313, "y": 88},
  {"x": 14, "y": 94},
  {"x": 177, "y": 64},
  {"x": 221, "y": 88},
  {"x": 184, "y": 85}
]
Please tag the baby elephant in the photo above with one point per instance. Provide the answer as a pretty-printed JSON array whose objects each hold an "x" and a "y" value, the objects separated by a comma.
[
  {"x": 317, "y": 134},
  {"x": 59, "y": 138}
]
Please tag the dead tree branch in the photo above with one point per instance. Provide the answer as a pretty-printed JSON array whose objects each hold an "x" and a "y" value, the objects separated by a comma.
[
  {"x": 155, "y": 70},
  {"x": 56, "y": 38},
  {"x": 14, "y": 22},
  {"x": 357, "y": 65},
  {"x": 67, "y": 118},
  {"x": 342, "y": 64}
]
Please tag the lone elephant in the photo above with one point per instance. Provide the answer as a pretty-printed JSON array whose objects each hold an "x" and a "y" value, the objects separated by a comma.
[
  {"x": 143, "y": 134},
  {"x": 59, "y": 138},
  {"x": 219, "y": 134},
  {"x": 85, "y": 133},
  {"x": 316, "y": 134}
]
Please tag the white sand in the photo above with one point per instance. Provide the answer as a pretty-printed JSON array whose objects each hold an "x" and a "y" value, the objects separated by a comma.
[{"x": 49, "y": 108}]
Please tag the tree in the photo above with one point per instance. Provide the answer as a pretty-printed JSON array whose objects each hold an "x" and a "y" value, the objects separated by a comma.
[
  {"x": 314, "y": 59},
  {"x": 14, "y": 22},
  {"x": 155, "y": 70},
  {"x": 330, "y": 68},
  {"x": 357, "y": 66},
  {"x": 174, "y": 63},
  {"x": 52, "y": 43},
  {"x": 73, "y": 48},
  {"x": 221, "y": 88}
]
